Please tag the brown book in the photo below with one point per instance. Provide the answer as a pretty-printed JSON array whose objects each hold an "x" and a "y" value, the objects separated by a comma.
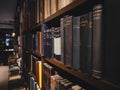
[
  {"x": 53, "y": 6},
  {"x": 97, "y": 41},
  {"x": 46, "y": 8},
  {"x": 40, "y": 43}
]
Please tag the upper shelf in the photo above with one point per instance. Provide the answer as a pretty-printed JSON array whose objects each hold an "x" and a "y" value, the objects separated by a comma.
[
  {"x": 69, "y": 8},
  {"x": 65, "y": 9}
]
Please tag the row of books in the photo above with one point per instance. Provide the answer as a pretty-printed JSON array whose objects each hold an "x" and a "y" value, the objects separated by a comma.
[
  {"x": 53, "y": 81},
  {"x": 77, "y": 42},
  {"x": 14, "y": 65},
  {"x": 51, "y": 6},
  {"x": 33, "y": 84},
  {"x": 36, "y": 69}
]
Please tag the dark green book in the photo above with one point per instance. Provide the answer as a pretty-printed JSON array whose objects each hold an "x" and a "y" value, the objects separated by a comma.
[
  {"x": 76, "y": 43},
  {"x": 68, "y": 41},
  {"x": 86, "y": 43}
]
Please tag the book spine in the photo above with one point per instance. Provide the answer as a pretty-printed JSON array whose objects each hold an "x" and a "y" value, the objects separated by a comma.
[
  {"x": 52, "y": 42},
  {"x": 62, "y": 40},
  {"x": 68, "y": 41},
  {"x": 97, "y": 30},
  {"x": 44, "y": 28},
  {"x": 57, "y": 43},
  {"x": 76, "y": 42},
  {"x": 37, "y": 42},
  {"x": 86, "y": 43},
  {"x": 40, "y": 73},
  {"x": 89, "y": 44},
  {"x": 49, "y": 43},
  {"x": 40, "y": 43}
]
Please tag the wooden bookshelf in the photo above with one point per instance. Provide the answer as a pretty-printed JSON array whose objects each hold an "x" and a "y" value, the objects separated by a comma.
[
  {"x": 73, "y": 9},
  {"x": 98, "y": 83},
  {"x": 33, "y": 53}
]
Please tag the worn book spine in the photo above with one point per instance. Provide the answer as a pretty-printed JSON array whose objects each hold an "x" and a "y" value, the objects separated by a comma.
[
  {"x": 68, "y": 41},
  {"x": 57, "y": 43},
  {"x": 44, "y": 28},
  {"x": 62, "y": 39},
  {"x": 97, "y": 41},
  {"x": 86, "y": 43},
  {"x": 76, "y": 43}
]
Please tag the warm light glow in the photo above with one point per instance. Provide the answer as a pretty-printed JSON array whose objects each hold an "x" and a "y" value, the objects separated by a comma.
[{"x": 13, "y": 34}]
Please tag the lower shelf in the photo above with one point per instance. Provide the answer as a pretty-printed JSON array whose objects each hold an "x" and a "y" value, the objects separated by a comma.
[
  {"x": 15, "y": 77},
  {"x": 98, "y": 83}
]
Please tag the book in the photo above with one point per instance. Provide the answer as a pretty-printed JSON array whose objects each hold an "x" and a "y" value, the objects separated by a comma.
[
  {"x": 86, "y": 43},
  {"x": 65, "y": 84},
  {"x": 48, "y": 71},
  {"x": 32, "y": 83},
  {"x": 62, "y": 25},
  {"x": 57, "y": 43},
  {"x": 52, "y": 42},
  {"x": 37, "y": 11},
  {"x": 40, "y": 43},
  {"x": 54, "y": 79},
  {"x": 47, "y": 11},
  {"x": 39, "y": 73},
  {"x": 44, "y": 45},
  {"x": 68, "y": 40},
  {"x": 37, "y": 42},
  {"x": 63, "y": 3},
  {"x": 76, "y": 43},
  {"x": 48, "y": 43},
  {"x": 97, "y": 41},
  {"x": 76, "y": 87},
  {"x": 53, "y": 6}
]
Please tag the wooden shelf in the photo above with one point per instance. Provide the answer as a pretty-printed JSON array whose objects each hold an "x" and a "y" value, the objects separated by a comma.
[
  {"x": 33, "y": 53},
  {"x": 36, "y": 28},
  {"x": 32, "y": 75},
  {"x": 65, "y": 9},
  {"x": 98, "y": 83}
]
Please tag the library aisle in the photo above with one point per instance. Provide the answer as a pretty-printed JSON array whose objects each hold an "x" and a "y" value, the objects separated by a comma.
[{"x": 16, "y": 79}]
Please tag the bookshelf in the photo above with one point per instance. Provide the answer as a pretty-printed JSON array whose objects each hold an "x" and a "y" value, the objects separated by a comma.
[
  {"x": 100, "y": 84},
  {"x": 75, "y": 8}
]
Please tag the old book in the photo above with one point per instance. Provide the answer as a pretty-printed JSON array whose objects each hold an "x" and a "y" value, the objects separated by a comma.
[
  {"x": 54, "y": 82},
  {"x": 76, "y": 43},
  {"x": 48, "y": 71},
  {"x": 86, "y": 43},
  {"x": 62, "y": 25},
  {"x": 53, "y": 6},
  {"x": 40, "y": 43},
  {"x": 39, "y": 73},
  {"x": 57, "y": 43},
  {"x": 68, "y": 41},
  {"x": 97, "y": 41},
  {"x": 32, "y": 83},
  {"x": 65, "y": 84},
  {"x": 44, "y": 45},
  {"x": 47, "y": 10}
]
